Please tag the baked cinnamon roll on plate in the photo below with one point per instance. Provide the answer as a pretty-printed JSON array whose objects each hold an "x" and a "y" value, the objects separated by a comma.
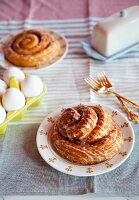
[
  {"x": 85, "y": 139},
  {"x": 33, "y": 49}
]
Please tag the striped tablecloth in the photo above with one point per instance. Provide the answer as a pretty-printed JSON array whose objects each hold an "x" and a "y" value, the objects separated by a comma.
[
  {"x": 23, "y": 171},
  {"x": 65, "y": 81}
]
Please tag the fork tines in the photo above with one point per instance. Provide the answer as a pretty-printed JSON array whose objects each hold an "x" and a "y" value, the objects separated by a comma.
[
  {"x": 102, "y": 78},
  {"x": 94, "y": 84}
]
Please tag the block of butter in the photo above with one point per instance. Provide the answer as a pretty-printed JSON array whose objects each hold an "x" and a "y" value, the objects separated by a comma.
[{"x": 116, "y": 34}]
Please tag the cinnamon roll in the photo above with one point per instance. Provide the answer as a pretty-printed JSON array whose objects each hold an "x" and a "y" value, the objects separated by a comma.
[
  {"x": 32, "y": 48},
  {"x": 86, "y": 135}
]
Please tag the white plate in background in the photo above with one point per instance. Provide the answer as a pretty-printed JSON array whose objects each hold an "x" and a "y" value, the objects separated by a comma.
[{"x": 64, "y": 49}]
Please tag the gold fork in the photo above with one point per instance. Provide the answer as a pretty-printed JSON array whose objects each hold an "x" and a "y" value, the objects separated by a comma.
[
  {"x": 102, "y": 86},
  {"x": 104, "y": 81}
]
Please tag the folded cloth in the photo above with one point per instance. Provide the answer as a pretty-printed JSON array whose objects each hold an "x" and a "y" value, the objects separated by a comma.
[
  {"x": 65, "y": 80},
  {"x": 22, "y": 170},
  {"x": 124, "y": 77},
  {"x": 36, "y": 9},
  {"x": 123, "y": 180}
]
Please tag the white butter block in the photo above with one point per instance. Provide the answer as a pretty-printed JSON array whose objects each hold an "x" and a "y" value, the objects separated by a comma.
[{"x": 116, "y": 34}]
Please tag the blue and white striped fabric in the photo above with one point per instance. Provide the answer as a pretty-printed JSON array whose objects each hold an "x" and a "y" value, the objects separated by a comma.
[
  {"x": 65, "y": 81},
  {"x": 19, "y": 159}
]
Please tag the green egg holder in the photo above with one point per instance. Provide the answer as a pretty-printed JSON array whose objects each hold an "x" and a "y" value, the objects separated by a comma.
[{"x": 19, "y": 114}]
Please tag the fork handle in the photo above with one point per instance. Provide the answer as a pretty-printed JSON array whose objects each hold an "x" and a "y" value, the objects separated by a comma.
[
  {"x": 125, "y": 99},
  {"x": 131, "y": 115}
]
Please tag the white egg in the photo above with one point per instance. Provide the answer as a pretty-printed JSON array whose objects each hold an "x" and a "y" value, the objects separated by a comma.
[
  {"x": 32, "y": 86},
  {"x": 13, "y": 71},
  {"x": 2, "y": 91},
  {"x": 2, "y": 114},
  {"x": 3, "y": 87},
  {"x": 13, "y": 99},
  {"x": 3, "y": 84}
]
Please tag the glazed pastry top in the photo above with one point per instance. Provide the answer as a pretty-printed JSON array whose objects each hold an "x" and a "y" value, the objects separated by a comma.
[
  {"x": 86, "y": 135},
  {"x": 32, "y": 48}
]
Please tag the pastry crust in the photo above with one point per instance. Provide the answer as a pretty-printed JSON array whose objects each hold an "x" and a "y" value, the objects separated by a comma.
[
  {"x": 77, "y": 123},
  {"x": 32, "y": 48},
  {"x": 103, "y": 127},
  {"x": 106, "y": 142}
]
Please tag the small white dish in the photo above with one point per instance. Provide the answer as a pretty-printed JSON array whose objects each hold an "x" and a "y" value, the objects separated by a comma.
[
  {"x": 64, "y": 49},
  {"x": 91, "y": 52},
  {"x": 54, "y": 160}
]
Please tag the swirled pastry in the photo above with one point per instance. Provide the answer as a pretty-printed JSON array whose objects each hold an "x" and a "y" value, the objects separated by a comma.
[
  {"x": 71, "y": 120},
  {"x": 32, "y": 48},
  {"x": 88, "y": 135}
]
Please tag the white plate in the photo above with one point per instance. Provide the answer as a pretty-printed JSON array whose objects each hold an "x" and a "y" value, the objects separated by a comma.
[
  {"x": 64, "y": 49},
  {"x": 54, "y": 160},
  {"x": 87, "y": 47}
]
